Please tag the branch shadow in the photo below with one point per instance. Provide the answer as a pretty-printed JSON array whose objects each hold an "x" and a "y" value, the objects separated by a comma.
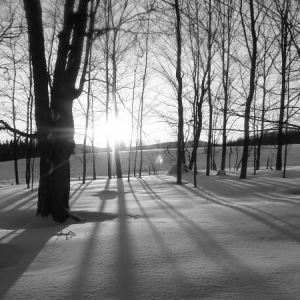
[
  {"x": 27, "y": 237},
  {"x": 126, "y": 278},
  {"x": 251, "y": 212},
  {"x": 254, "y": 213},
  {"x": 213, "y": 250},
  {"x": 89, "y": 253},
  {"x": 161, "y": 243},
  {"x": 15, "y": 197},
  {"x": 26, "y": 246}
]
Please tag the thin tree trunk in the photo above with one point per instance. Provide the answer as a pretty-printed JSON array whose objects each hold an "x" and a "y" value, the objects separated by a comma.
[
  {"x": 108, "y": 146},
  {"x": 136, "y": 142},
  {"x": 254, "y": 133},
  {"x": 142, "y": 96},
  {"x": 87, "y": 116},
  {"x": 179, "y": 94},
  {"x": 209, "y": 45},
  {"x": 287, "y": 119},
  {"x": 29, "y": 141},
  {"x": 262, "y": 125},
  {"x": 283, "y": 48},
  {"x": 249, "y": 99},
  {"x": 132, "y": 121},
  {"x": 93, "y": 138},
  {"x": 114, "y": 95},
  {"x": 225, "y": 79},
  {"x": 14, "y": 116}
]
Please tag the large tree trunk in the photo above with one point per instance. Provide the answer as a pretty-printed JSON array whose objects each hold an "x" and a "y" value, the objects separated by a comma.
[
  {"x": 55, "y": 126},
  {"x": 56, "y": 149}
]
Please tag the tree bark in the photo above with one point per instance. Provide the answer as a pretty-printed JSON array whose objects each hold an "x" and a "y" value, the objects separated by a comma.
[
  {"x": 226, "y": 48},
  {"x": 55, "y": 125},
  {"x": 108, "y": 146},
  {"x": 179, "y": 94},
  {"x": 284, "y": 51},
  {"x": 209, "y": 48},
  {"x": 249, "y": 99}
]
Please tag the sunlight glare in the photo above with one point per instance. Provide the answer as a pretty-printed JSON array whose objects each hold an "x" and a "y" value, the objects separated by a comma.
[{"x": 115, "y": 130}]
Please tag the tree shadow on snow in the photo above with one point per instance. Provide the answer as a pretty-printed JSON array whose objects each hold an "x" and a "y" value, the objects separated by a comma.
[
  {"x": 238, "y": 273},
  {"x": 272, "y": 221},
  {"x": 124, "y": 285},
  {"x": 126, "y": 279},
  {"x": 27, "y": 235},
  {"x": 179, "y": 277}
]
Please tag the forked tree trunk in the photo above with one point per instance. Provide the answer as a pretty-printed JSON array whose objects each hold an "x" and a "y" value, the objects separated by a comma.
[{"x": 55, "y": 126}]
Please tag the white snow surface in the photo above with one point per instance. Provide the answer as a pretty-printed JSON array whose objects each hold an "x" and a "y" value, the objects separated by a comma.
[{"x": 153, "y": 239}]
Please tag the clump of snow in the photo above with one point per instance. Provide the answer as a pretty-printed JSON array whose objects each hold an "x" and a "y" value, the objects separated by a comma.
[{"x": 153, "y": 239}]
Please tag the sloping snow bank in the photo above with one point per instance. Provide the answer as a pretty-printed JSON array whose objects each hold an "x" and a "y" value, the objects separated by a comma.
[{"x": 152, "y": 239}]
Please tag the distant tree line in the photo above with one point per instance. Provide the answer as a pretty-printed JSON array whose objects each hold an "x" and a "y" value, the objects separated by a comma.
[
  {"x": 7, "y": 150},
  {"x": 270, "y": 138}
]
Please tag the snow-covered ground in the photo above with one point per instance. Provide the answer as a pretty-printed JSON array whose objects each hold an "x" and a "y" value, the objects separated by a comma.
[{"x": 153, "y": 239}]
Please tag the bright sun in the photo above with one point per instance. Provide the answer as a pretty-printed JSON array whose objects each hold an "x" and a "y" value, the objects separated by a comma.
[{"x": 115, "y": 130}]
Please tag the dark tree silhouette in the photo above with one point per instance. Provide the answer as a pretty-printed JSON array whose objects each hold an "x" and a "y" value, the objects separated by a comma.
[
  {"x": 180, "y": 137},
  {"x": 252, "y": 50},
  {"x": 53, "y": 111}
]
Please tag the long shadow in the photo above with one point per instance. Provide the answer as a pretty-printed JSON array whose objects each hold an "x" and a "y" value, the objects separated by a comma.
[
  {"x": 240, "y": 208},
  {"x": 247, "y": 210},
  {"x": 213, "y": 250},
  {"x": 284, "y": 201},
  {"x": 235, "y": 188},
  {"x": 23, "y": 203},
  {"x": 78, "y": 192},
  {"x": 167, "y": 254},
  {"x": 27, "y": 252},
  {"x": 20, "y": 251},
  {"x": 125, "y": 273},
  {"x": 15, "y": 198},
  {"x": 6, "y": 187},
  {"x": 275, "y": 218},
  {"x": 88, "y": 254}
]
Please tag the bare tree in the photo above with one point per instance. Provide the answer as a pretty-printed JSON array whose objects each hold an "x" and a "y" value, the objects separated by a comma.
[
  {"x": 227, "y": 16},
  {"x": 107, "y": 8},
  {"x": 199, "y": 87},
  {"x": 283, "y": 8},
  {"x": 53, "y": 112},
  {"x": 144, "y": 82},
  {"x": 252, "y": 51},
  {"x": 180, "y": 138}
]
